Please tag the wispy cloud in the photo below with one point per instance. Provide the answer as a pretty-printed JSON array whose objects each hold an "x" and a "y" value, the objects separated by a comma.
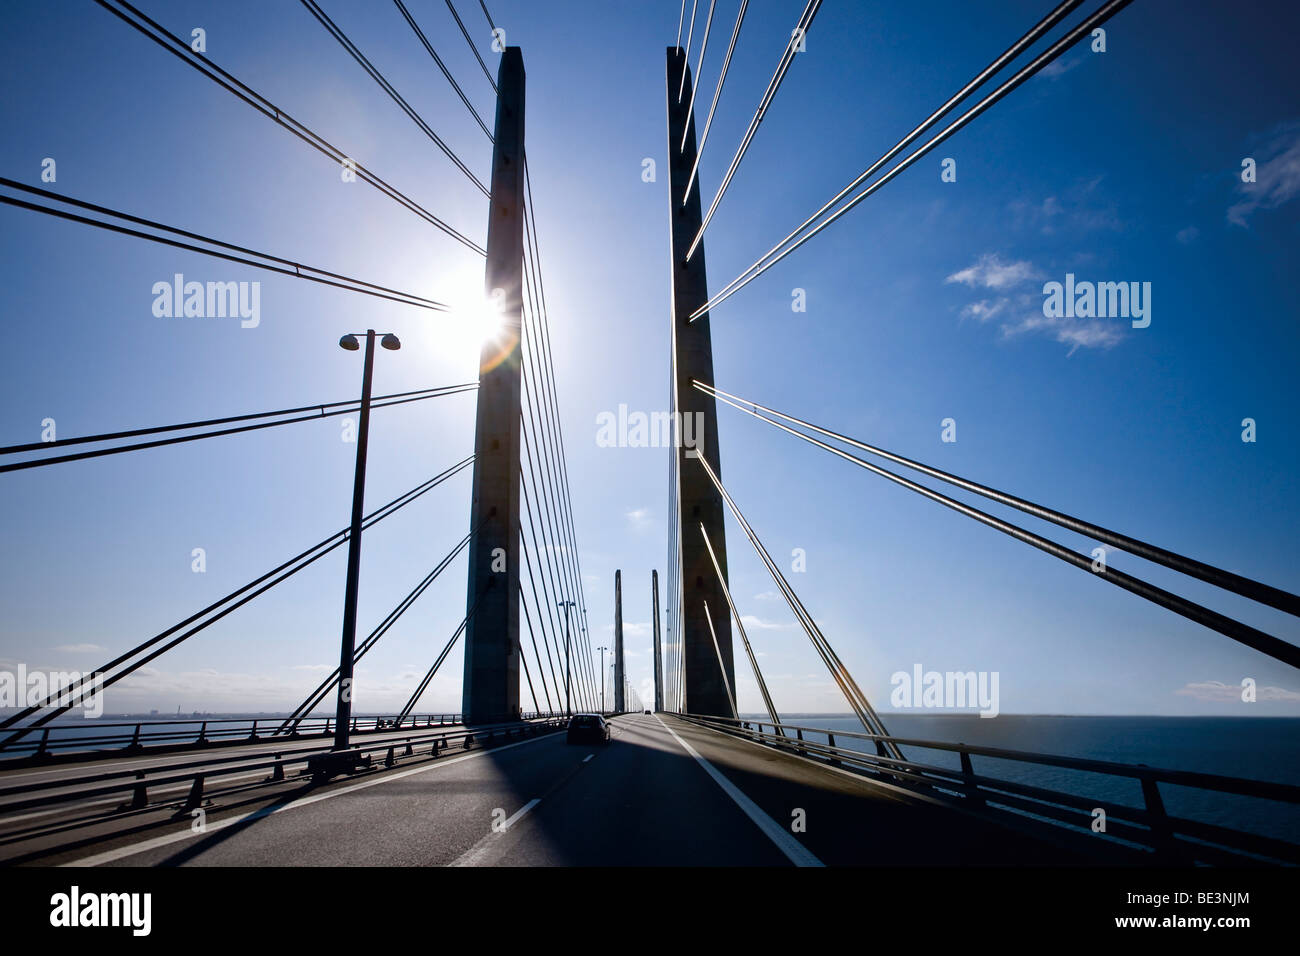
[
  {"x": 1076, "y": 333},
  {"x": 1277, "y": 176},
  {"x": 755, "y": 623},
  {"x": 80, "y": 648},
  {"x": 1218, "y": 691},
  {"x": 1019, "y": 310},
  {"x": 1081, "y": 207},
  {"x": 985, "y": 309},
  {"x": 1060, "y": 66},
  {"x": 990, "y": 272}
]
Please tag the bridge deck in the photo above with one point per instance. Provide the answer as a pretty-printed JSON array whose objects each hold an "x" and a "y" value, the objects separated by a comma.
[{"x": 645, "y": 800}]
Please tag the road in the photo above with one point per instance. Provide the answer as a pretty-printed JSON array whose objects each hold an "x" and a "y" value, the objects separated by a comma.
[{"x": 664, "y": 792}]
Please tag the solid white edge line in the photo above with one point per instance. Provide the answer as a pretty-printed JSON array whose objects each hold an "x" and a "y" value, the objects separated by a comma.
[
  {"x": 795, "y": 851},
  {"x": 110, "y": 856}
]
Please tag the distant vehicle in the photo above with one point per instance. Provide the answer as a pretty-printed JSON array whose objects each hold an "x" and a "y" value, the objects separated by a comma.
[
  {"x": 587, "y": 728},
  {"x": 647, "y": 711}
]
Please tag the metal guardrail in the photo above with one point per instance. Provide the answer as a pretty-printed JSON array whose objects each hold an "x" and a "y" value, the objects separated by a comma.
[
  {"x": 197, "y": 773},
  {"x": 132, "y": 736},
  {"x": 1150, "y": 827}
]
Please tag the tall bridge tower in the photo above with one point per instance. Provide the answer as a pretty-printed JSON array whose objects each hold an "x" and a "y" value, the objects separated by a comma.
[
  {"x": 698, "y": 501},
  {"x": 620, "y": 703},
  {"x": 491, "y": 688}
]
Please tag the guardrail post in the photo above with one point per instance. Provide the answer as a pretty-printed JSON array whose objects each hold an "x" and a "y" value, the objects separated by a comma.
[
  {"x": 469, "y": 739},
  {"x": 135, "y": 739},
  {"x": 830, "y": 742},
  {"x": 327, "y": 726},
  {"x": 43, "y": 749},
  {"x": 139, "y": 794},
  {"x": 408, "y": 752},
  {"x": 195, "y": 798},
  {"x": 278, "y": 772},
  {"x": 203, "y": 734},
  {"x": 967, "y": 771},
  {"x": 253, "y": 735},
  {"x": 389, "y": 759},
  {"x": 1162, "y": 834},
  {"x": 799, "y": 734}
]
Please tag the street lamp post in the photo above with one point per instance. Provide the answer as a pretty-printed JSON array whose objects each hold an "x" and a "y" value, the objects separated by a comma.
[
  {"x": 568, "y": 710},
  {"x": 343, "y": 721},
  {"x": 602, "y": 677}
]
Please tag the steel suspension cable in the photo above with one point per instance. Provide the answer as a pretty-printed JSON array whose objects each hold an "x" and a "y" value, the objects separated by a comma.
[
  {"x": 549, "y": 468},
  {"x": 532, "y": 691},
  {"x": 537, "y": 601},
  {"x": 388, "y": 88},
  {"x": 530, "y": 221},
  {"x": 272, "y": 263},
  {"x": 159, "y": 429},
  {"x": 686, "y": 57},
  {"x": 424, "y": 683},
  {"x": 178, "y": 47},
  {"x": 1026, "y": 41},
  {"x": 1229, "y": 627},
  {"x": 772, "y": 258},
  {"x": 740, "y": 625},
  {"x": 722, "y": 668},
  {"x": 541, "y": 673},
  {"x": 1238, "y": 584},
  {"x": 852, "y": 692},
  {"x": 157, "y": 443},
  {"x": 557, "y": 442},
  {"x": 695, "y": 88},
  {"x": 787, "y": 58},
  {"x": 717, "y": 92},
  {"x": 445, "y": 72},
  {"x": 474, "y": 49},
  {"x": 285, "y": 570},
  {"x": 382, "y": 628},
  {"x": 546, "y": 547}
]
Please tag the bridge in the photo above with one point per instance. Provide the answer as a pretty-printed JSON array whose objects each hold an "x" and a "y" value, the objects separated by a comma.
[{"x": 688, "y": 778}]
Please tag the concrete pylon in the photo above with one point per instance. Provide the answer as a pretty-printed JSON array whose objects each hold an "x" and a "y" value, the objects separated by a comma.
[
  {"x": 698, "y": 501},
  {"x": 491, "y": 687},
  {"x": 620, "y": 702},
  {"x": 654, "y": 610}
]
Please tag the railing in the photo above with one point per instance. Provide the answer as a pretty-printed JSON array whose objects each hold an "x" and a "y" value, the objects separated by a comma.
[
  {"x": 198, "y": 774},
  {"x": 1150, "y": 827},
  {"x": 95, "y": 738}
]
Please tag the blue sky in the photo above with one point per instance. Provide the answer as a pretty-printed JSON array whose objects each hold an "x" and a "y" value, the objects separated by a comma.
[{"x": 923, "y": 303}]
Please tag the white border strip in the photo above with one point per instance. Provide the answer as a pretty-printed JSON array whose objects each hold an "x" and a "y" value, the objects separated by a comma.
[{"x": 795, "y": 851}]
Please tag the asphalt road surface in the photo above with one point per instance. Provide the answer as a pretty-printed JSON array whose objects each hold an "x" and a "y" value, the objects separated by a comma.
[{"x": 663, "y": 792}]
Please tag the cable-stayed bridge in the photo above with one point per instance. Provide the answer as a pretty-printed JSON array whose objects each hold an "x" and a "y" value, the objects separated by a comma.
[{"x": 687, "y": 778}]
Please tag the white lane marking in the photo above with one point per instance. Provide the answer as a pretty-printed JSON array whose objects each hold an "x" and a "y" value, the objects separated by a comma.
[
  {"x": 475, "y": 855},
  {"x": 588, "y": 757},
  {"x": 519, "y": 813},
  {"x": 795, "y": 851},
  {"x": 111, "y": 855}
]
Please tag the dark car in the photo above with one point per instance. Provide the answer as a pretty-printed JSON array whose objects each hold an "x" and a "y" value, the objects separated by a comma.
[
  {"x": 647, "y": 711},
  {"x": 587, "y": 729}
]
